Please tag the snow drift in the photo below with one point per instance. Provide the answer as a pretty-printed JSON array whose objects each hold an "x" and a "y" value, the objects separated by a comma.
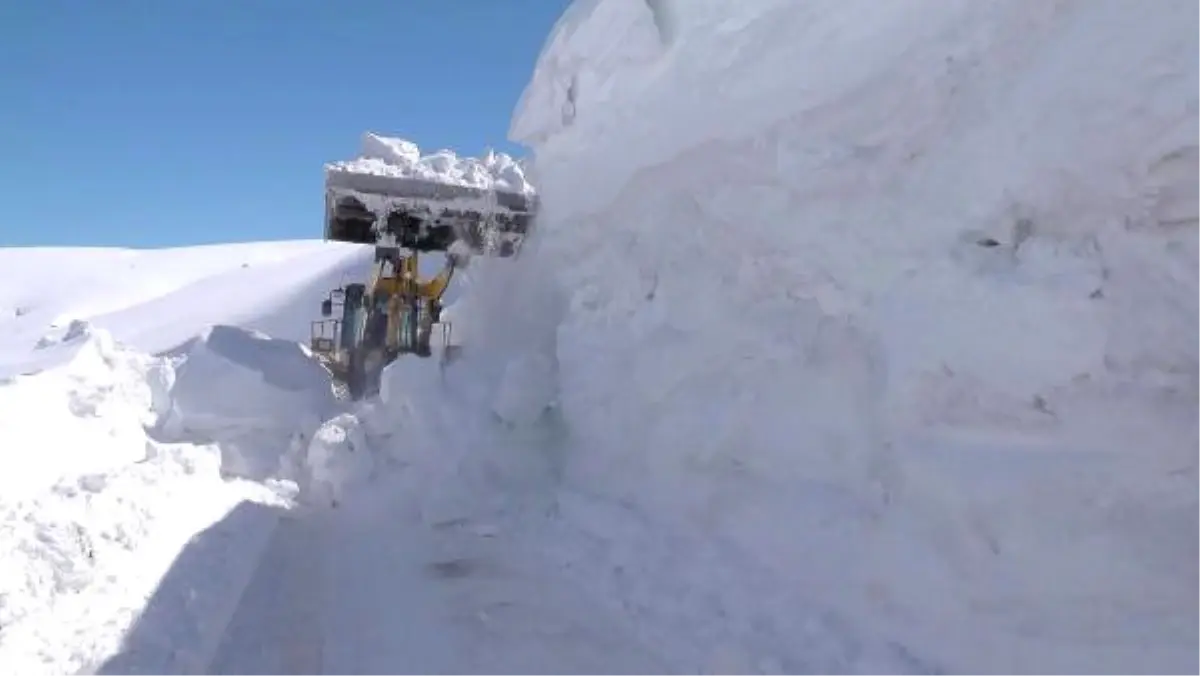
[{"x": 898, "y": 300}]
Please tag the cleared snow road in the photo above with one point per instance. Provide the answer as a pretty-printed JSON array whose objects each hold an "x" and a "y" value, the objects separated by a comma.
[{"x": 358, "y": 591}]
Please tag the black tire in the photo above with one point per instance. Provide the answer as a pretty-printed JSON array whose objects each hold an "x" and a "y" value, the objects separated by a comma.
[
  {"x": 356, "y": 376},
  {"x": 364, "y": 377}
]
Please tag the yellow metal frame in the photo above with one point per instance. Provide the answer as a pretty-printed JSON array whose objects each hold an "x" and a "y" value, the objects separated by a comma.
[{"x": 399, "y": 288}]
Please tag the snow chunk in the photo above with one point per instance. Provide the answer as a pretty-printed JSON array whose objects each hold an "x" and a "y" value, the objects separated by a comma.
[
  {"x": 338, "y": 461},
  {"x": 257, "y": 397},
  {"x": 399, "y": 158},
  {"x": 77, "y": 329},
  {"x": 394, "y": 151}
]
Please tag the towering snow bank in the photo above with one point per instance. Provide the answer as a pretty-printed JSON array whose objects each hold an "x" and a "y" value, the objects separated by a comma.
[
  {"x": 1063, "y": 132},
  {"x": 399, "y": 158},
  {"x": 805, "y": 241}
]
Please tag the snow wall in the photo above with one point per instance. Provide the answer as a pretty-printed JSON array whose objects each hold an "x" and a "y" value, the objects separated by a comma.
[{"x": 803, "y": 245}]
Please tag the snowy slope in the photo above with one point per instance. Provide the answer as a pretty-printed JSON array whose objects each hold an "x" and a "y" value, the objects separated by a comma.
[
  {"x": 140, "y": 295},
  {"x": 898, "y": 300}
]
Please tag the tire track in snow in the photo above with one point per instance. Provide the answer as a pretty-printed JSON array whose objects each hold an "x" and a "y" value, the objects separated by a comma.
[{"x": 276, "y": 627}]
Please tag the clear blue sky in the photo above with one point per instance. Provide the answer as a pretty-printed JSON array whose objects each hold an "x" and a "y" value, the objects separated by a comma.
[{"x": 168, "y": 122}]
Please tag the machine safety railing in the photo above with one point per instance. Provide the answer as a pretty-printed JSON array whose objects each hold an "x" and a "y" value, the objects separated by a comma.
[{"x": 323, "y": 336}]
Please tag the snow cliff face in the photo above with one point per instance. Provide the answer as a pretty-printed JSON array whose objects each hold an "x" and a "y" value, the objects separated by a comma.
[
  {"x": 1005, "y": 192},
  {"x": 804, "y": 240},
  {"x": 997, "y": 201}
]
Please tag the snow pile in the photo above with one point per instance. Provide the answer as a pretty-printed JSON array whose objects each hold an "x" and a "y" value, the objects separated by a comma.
[
  {"x": 89, "y": 414},
  {"x": 393, "y": 157},
  {"x": 338, "y": 461},
  {"x": 113, "y": 459},
  {"x": 884, "y": 297},
  {"x": 260, "y": 399},
  {"x": 93, "y": 510}
]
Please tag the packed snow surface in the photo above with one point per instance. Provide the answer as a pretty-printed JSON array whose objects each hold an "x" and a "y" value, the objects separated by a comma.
[
  {"x": 853, "y": 337},
  {"x": 399, "y": 158}
]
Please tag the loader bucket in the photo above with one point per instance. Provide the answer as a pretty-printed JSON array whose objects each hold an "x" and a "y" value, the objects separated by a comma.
[{"x": 424, "y": 215}]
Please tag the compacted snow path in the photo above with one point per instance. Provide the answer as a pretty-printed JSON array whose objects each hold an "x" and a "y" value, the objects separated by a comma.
[{"x": 343, "y": 591}]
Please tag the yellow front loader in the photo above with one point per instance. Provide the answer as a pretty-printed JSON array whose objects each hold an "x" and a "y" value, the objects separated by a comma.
[{"x": 395, "y": 312}]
